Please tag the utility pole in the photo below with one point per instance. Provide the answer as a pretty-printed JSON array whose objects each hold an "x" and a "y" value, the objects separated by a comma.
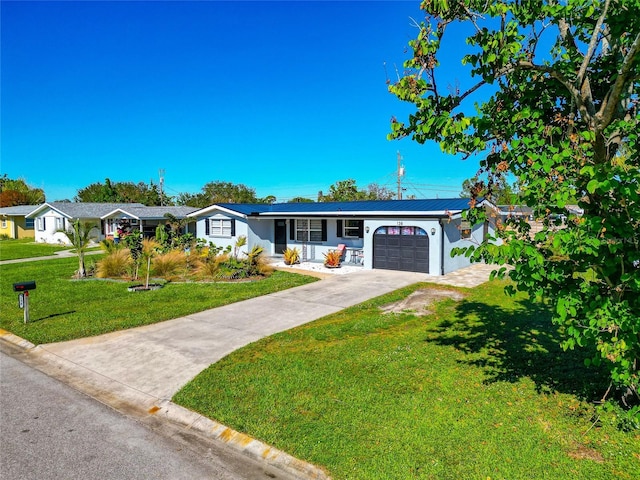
[
  {"x": 400, "y": 175},
  {"x": 161, "y": 174}
]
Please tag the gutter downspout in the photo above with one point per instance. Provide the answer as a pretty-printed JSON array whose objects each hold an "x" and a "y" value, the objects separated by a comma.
[{"x": 441, "y": 248}]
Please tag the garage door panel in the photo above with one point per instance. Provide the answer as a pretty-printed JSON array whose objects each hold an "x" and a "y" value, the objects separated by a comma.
[{"x": 401, "y": 252}]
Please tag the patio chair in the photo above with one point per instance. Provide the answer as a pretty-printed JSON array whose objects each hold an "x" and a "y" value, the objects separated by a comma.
[{"x": 342, "y": 248}]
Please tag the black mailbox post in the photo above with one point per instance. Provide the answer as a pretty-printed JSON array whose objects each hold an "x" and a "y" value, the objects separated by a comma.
[
  {"x": 23, "y": 299},
  {"x": 24, "y": 286}
]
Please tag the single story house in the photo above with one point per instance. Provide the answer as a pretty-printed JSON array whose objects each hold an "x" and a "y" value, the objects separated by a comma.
[
  {"x": 13, "y": 223},
  {"x": 51, "y": 218},
  {"x": 409, "y": 235}
]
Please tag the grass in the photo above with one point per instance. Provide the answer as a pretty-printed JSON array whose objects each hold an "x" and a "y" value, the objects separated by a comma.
[
  {"x": 64, "y": 309},
  {"x": 479, "y": 389},
  {"x": 27, "y": 248}
]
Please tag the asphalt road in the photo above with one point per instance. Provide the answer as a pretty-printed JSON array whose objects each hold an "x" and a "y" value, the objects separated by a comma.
[{"x": 50, "y": 431}]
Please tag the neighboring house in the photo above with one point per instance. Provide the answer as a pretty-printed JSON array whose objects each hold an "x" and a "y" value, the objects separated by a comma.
[
  {"x": 13, "y": 223},
  {"x": 410, "y": 235},
  {"x": 51, "y": 218},
  {"x": 145, "y": 219},
  {"x": 506, "y": 212}
]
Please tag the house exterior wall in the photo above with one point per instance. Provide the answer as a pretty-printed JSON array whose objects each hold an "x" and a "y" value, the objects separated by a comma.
[
  {"x": 241, "y": 228},
  {"x": 21, "y": 229},
  {"x": 15, "y": 227},
  {"x": 453, "y": 239},
  {"x": 7, "y": 227},
  {"x": 315, "y": 251},
  {"x": 260, "y": 232},
  {"x": 48, "y": 223}
]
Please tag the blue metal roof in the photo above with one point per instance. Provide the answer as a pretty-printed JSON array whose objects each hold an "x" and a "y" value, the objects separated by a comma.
[{"x": 422, "y": 207}]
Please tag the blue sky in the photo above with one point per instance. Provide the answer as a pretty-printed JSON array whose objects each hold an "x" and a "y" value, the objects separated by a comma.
[{"x": 284, "y": 97}]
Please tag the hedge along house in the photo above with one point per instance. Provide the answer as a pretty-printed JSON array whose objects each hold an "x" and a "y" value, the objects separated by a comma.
[
  {"x": 13, "y": 223},
  {"x": 408, "y": 235},
  {"x": 51, "y": 218}
]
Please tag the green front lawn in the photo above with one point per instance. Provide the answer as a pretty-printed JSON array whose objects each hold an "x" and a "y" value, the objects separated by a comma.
[
  {"x": 64, "y": 309},
  {"x": 477, "y": 390},
  {"x": 26, "y": 248}
]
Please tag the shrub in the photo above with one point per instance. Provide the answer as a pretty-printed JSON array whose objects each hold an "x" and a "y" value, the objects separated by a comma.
[
  {"x": 170, "y": 264},
  {"x": 240, "y": 242},
  {"x": 230, "y": 268},
  {"x": 291, "y": 256},
  {"x": 109, "y": 246},
  {"x": 117, "y": 264},
  {"x": 208, "y": 268},
  {"x": 332, "y": 258},
  {"x": 263, "y": 267}
]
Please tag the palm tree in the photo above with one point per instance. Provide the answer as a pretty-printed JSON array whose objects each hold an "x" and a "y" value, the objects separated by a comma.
[{"x": 80, "y": 236}]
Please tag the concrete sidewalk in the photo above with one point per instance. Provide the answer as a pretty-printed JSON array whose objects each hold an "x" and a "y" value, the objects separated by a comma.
[
  {"x": 60, "y": 254},
  {"x": 137, "y": 371}
]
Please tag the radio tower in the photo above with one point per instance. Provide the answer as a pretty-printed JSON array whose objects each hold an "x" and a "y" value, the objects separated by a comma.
[
  {"x": 161, "y": 175},
  {"x": 400, "y": 175}
]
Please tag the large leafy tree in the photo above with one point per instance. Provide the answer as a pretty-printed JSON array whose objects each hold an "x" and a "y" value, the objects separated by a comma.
[
  {"x": 347, "y": 190},
  {"x": 500, "y": 192},
  {"x": 18, "y": 192},
  {"x": 125, "y": 192},
  {"x": 220, "y": 192},
  {"x": 552, "y": 99}
]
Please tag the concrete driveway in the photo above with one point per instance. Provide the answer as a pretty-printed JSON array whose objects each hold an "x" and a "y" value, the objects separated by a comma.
[{"x": 157, "y": 360}]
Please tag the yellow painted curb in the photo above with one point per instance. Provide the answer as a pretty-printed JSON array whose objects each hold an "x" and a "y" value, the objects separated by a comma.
[{"x": 16, "y": 340}]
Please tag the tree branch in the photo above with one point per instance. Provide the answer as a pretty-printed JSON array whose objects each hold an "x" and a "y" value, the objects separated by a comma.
[
  {"x": 592, "y": 45},
  {"x": 612, "y": 98},
  {"x": 528, "y": 65}
]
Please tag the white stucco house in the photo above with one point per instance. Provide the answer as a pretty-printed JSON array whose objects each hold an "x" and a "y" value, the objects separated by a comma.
[
  {"x": 408, "y": 235},
  {"x": 50, "y": 218}
]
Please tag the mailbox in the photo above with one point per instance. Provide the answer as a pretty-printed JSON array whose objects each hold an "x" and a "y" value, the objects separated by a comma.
[{"x": 24, "y": 286}]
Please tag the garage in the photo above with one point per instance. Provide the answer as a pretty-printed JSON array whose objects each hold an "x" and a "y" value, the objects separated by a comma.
[{"x": 401, "y": 248}]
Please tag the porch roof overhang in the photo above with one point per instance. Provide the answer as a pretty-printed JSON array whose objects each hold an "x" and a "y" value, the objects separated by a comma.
[
  {"x": 120, "y": 214},
  {"x": 148, "y": 213}
]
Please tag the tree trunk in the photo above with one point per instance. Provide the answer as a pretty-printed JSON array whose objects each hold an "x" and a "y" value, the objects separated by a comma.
[{"x": 81, "y": 270}]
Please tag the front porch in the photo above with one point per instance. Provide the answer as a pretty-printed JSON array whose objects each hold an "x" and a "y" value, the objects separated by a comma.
[{"x": 316, "y": 267}]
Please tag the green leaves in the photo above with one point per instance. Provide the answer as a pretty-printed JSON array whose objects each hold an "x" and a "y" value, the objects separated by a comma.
[{"x": 562, "y": 123}]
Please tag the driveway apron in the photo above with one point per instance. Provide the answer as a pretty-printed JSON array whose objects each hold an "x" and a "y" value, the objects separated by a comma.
[{"x": 159, "y": 359}]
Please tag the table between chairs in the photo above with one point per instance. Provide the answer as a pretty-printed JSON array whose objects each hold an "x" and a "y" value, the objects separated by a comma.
[{"x": 356, "y": 255}]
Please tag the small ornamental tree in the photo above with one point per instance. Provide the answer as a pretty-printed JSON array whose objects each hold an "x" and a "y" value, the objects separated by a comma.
[
  {"x": 552, "y": 101},
  {"x": 80, "y": 235}
]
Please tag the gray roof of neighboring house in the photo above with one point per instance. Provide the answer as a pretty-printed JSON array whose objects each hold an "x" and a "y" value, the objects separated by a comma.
[
  {"x": 382, "y": 207},
  {"x": 18, "y": 210},
  {"x": 152, "y": 213},
  {"x": 515, "y": 209},
  {"x": 83, "y": 210},
  {"x": 100, "y": 210}
]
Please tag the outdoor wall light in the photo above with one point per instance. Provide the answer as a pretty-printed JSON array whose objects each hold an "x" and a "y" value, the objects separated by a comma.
[
  {"x": 366, "y": 229},
  {"x": 433, "y": 230}
]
